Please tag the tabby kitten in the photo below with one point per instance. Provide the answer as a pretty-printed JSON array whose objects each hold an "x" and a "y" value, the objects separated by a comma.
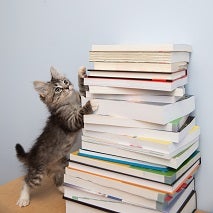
[{"x": 48, "y": 156}]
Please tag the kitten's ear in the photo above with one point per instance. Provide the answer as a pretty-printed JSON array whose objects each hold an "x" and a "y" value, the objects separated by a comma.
[
  {"x": 41, "y": 87},
  {"x": 55, "y": 74}
]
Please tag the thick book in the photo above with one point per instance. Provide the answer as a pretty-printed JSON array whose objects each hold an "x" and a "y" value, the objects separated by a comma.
[
  {"x": 87, "y": 195},
  {"x": 138, "y": 67},
  {"x": 136, "y": 98},
  {"x": 124, "y": 189},
  {"x": 143, "y": 47},
  {"x": 72, "y": 205},
  {"x": 149, "y": 146},
  {"x": 109, "y": 195},
  {"x": 162, "y": 85},
  {"x": 100, "y": 176},
  {"x": 173, "y": 126},
  {"x": 115, "y": 159},
  {"x": 180, "y": 91},
  {"x": 112, "y": 152},
  {"x": 139, "y": 56},
  {"x": 137, "y": 169},
  {"x": 143, "y": 133},
  {"x": 136, "y": 75},
  {"x": 153, "y": 112}
]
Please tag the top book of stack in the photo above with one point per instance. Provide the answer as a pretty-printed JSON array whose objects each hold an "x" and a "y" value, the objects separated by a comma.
[{"x": 158, "y": 53}]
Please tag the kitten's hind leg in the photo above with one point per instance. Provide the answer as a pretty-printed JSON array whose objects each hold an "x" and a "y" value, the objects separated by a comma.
[
  {"x": 32, "y": 179},
  {"x": 58, "y": 173},
  {"x": 24, "y": 199}
]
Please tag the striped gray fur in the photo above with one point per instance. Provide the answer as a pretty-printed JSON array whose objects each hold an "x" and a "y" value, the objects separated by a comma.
[{"x": 48, "y": 155}]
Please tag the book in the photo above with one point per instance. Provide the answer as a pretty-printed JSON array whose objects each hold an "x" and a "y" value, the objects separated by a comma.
[
  {"x": 144, "y": 134},
  {"x": 137, "y": 169},
  {"x": 101, "y": 176},
  {"x": 137, "y": 83},
  {"x": 149, "y": 146},
  {"x": 173, "y": 126},
  {"x": 138, "y": 67},
  {"x": 143, "y": 47},
  {"x": 153, "y": 112},
  {"x": 136, "y": 98},
  {"x": 96, "y": 198},
  {"x": 139, "y": 56},
  {"x": 189, "y": 205},
  {"x": 124, "y": 189},
  {"x": 120, "y": 160},
  {"x": 180, "y": 91},
  {"x": 109, "y": 195},
  {"x": 76, "y": 206},
  {"x": 110, "y": 152},
  {"x": 136, "y": 75}
]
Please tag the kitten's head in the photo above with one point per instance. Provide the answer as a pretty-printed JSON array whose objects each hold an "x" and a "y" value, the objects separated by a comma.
[{"x": 56, "y": 92}]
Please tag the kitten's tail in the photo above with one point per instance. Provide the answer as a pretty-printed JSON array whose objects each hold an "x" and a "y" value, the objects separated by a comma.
[{"x": 20, "y": 153}]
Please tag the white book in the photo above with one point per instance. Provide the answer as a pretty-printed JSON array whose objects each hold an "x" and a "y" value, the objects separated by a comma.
[
  {"x": 97, "y": 149},
  {"x": 142, "y": 47},
  {"x": 180, "y": 91},
  {"x": 139, "y": 56},
  {"x": 134, "y": 190},
  {"x": 136, "y": 98},
  {"x": 73, "y": 183},
  {"x": 154, "y": 112},
  {"x": 190, "y": 205},
  {"x": 137, "y": 75},
  {"x": 142, "y": 144},
  {"x": 77, "y": 207},
  {"x": 136, "y": 84},
  {"x": 138, "y": 67},
  {"x": 100, "y": 176},
  {"x": 143, "y": 133},
  {"x": 135, "y": 168},
  {"x": 173, "y": 126}
]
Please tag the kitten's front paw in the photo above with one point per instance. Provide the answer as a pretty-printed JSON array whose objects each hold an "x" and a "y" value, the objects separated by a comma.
[
  {"x": 22, "y": 202},
  {"x": 82, "y": 72},
  {"x": 94, "y": 105}
]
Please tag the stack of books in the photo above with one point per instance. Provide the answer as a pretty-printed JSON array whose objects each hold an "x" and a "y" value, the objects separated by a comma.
[{"x": 140, "y": 148}]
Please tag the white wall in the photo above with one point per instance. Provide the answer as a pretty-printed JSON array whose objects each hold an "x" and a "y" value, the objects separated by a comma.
[{"x": 37, "y": 34}]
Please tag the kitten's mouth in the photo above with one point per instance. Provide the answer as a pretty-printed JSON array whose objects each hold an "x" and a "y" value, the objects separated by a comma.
[{"x": 70, "y": 87}]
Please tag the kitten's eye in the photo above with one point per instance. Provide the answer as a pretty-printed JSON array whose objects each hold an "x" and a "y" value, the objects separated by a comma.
[
  {"x": 66, "y": 82},
  {"x": 58, "y": 89}
]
